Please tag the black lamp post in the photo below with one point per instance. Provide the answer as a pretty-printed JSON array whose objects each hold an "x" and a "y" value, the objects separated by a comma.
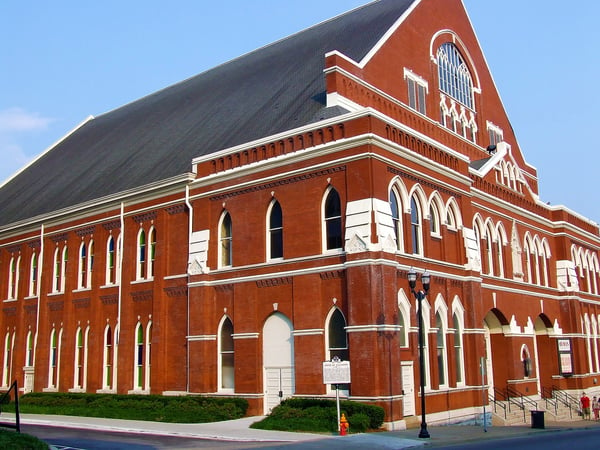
[{"x": 420, "y": 295}]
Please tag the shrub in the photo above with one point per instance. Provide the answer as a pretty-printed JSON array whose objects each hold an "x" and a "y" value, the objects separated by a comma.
[
  {"x": 359, "y": 423},
  {"x": 190, "y": 409},
  {"x": 320, "y": 415}
]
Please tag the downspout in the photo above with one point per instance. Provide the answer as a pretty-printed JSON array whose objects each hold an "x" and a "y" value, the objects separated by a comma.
[
  {"x": 38, "y": 292},
  {"x": 187, "y": 317},
  {"x": 120, "y": 274}
]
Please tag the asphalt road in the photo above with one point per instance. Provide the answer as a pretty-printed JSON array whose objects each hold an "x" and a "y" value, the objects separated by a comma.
[{"x": 72, "y": 439}]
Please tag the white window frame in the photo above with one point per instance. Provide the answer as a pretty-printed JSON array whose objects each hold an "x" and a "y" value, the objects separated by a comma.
[{"x": 419, "y": 88}]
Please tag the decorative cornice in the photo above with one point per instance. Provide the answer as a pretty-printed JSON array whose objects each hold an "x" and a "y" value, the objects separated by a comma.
[
  {"x": 332, "y": 274},
  {"x": 277, "y": 183},
  {"x": 142, "y": 296},
  {"x": 10, "y": 311},
  {"x": 111, "y": 299},
  {"x": 56, "y": 306},
  {"x": 111, "y": 225},
  {"x": 81, "y": 302},
  {"x": 86, "y": 231},
  {"x": 176, "y": 291},
  {"x": 175, "y": 209},
  {"x": 144, "y": 217},
  {"x": 59, "y": 237},
  {"x": 35, "y": 244},
  {"x": 272, "y": 282},
  {"x": 14, "y": 248},
  {"x": 423, "y": 182}
]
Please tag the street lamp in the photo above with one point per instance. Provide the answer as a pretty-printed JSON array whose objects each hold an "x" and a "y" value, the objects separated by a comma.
[{"x": 420, "y": 295}]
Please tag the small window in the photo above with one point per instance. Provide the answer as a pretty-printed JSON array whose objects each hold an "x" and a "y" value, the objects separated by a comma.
[
  {"x": 434, "y": 220},
  {"x": 276, "y": 232},
  {"x": 110, "y": 261},
  {"x": 225, "y": 241},
  {"x": 415, "y": 227},
  {"x": 151, "y": 252},
  {"x": 333, "y": 220},
  {"x": 395, "y": 206},
  {"x": 495, "y": 134},
  {"x": 417, "y": 91},
  {"x": 33, "y": 284},
  {"x": 226, "y": 354},
  {"x": 141, "y": 273}
]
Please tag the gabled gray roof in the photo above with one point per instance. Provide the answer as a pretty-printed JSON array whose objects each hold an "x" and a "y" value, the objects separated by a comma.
[{"x": 271, "y": 90}]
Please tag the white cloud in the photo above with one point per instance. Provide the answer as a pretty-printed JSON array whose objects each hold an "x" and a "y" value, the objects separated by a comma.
[
  {"x": 13, "y": 158},
  {"x": 16, "y": 120},
  {"x": 17, "y": 126}
]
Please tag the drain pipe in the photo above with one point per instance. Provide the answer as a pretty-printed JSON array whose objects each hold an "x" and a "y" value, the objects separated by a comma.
[
  {"x": 187, "y": 318},
  {"x": 120, "y": 246},
  {"x": 38, "y": 292}
]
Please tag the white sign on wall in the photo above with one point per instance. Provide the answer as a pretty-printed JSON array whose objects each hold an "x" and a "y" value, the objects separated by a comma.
[{"x": 336, "y": 372}]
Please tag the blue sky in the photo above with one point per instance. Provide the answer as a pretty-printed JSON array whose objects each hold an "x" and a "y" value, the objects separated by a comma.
[{"x": 65, "y": 60}]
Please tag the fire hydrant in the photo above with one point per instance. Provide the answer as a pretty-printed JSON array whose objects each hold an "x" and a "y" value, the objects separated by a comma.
[{"x": 343, "y": 425}]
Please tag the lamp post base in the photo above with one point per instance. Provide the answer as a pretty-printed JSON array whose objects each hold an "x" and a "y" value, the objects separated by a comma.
[{"x": 424, "y": 433}]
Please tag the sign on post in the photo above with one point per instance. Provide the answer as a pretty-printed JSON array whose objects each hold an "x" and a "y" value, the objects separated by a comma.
[{"x": 336, "y": 372}]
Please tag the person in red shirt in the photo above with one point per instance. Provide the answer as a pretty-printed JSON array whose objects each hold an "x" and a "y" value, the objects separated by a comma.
[{"x": 585, "y": 406}]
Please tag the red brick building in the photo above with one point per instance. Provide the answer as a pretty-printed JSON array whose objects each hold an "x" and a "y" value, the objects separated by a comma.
[{"x": 228, "y": 234}]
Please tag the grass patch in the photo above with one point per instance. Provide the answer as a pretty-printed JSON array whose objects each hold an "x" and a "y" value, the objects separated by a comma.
[
  {"x": 189, "y": 409},
  {"x": 319, "y": 415},
  {"x": 11, "y": 440}
]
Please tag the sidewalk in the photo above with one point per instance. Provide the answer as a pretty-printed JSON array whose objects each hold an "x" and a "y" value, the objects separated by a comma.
[{"x": 238, "y": 430}]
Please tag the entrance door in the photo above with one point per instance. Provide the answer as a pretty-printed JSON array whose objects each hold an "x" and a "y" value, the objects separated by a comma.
[
  {"x": 278, "y": 360},
  {"x": 408, "y": 388}
]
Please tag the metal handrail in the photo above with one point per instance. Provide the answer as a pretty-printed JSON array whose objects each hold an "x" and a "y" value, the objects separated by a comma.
[
  {"x": 547, "y": 395},
  {"x": 17, "y": 424},
  {"x": 518, "y": 399},
  {"x": 566, "y": 399},
  {"x": 497, "y": 403}
]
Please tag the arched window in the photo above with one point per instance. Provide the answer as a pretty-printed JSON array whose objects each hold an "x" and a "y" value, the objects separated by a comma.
[
  {"x": 225, "y": 238},
  {"x": 151, "y": 252},
  {"x": 333, "y": 220},
  {"x": 441, "y": 349},
  {"x": 337, "y": 336},
  {"x": 434, "y": 220},
  {"x": 226, "y": 355},
  {"x": 6, "y": 372},
  {"x": 275, "y": 241},
  {"x": 396, "y": 207},
  {"x": 82, "y": 281},
  {"x": 142, "y": 358},
  {"x": 458, "y": 349},
  {"x": 110, "y": 261},
  {"x": 455, "y": 78},
  {"x": 139, "y": 358},
  {"x": 13, "y": 277},
  {"x": 415, "y": 227},
  {"x": 526, "y": 361},
  {"x": 29, "y": 350},
  {"x": 33, "y": 275},
  {"x": 337, "y": 341},
  {"x": 108, "y": 358},
  {"x": 141, "y": 261},
  {"x": 90, "y": 264},
  {"x": 79, "y": 360},
  {"x": 54, "y": 360}
]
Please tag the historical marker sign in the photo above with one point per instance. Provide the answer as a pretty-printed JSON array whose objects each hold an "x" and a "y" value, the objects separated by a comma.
[{"x": 336, "y": 372}]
